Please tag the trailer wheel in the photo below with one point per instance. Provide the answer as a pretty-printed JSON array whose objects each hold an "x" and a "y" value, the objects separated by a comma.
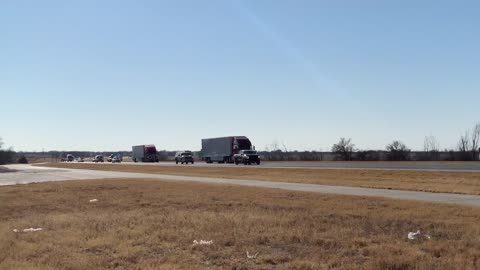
[
  {"x": 176, "y": 161},
  {"x": 258, "y": 162},
  {"x": 192, "y": 162}
]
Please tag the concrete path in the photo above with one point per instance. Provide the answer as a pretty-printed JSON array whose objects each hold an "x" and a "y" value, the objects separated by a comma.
[{"x": 28, "y": 174}]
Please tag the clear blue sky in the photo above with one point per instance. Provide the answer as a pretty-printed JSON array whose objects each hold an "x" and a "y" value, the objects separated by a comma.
[{"x": 104, "y": 75}]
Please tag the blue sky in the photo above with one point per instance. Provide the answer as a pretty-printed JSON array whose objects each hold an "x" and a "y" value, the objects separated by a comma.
[{"x": 104, "y": 75}]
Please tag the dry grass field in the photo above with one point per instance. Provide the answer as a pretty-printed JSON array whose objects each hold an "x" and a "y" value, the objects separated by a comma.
[
  {"x": 147, "y": 224},
  {"x": 449, "y": 182}
]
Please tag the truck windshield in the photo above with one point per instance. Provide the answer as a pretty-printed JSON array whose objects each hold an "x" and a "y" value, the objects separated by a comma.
[
  {"x": 244, "y": 144},
  {"x": 150, "y": 150}
]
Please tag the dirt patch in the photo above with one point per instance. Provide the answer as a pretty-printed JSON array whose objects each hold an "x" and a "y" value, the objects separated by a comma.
[
  {"x": 147, "y": 224},
  {"x": 448, "y": 182}
]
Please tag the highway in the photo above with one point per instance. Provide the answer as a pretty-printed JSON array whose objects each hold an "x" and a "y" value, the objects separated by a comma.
[{"x": 27, "y": 174}]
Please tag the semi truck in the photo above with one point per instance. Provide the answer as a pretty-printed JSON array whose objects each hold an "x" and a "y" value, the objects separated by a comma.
[
  {"x": 224, "y": 149},
  {"x": 144, "y": 153}
]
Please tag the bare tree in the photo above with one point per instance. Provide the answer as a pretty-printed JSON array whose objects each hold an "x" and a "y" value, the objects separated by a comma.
[
  {"x": 431, "y": 144},
  {"x": 344, "y": 149},
  {"x": 398, "y": 151},
  {"x": 273, "y": 147},
  {"x": 475, "y": 137},
  {"x": 464, "y": 143}
]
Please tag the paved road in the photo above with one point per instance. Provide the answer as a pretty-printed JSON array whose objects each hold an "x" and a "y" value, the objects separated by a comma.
[
  {"x": 28, "y": 174},
  {"x": 410, "y": 166}
]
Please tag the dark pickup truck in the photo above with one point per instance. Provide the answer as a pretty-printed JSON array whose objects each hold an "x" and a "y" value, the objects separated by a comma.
[{"x": 246, "y": 157}]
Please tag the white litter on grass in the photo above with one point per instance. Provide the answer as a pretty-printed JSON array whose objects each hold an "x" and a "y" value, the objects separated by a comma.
[
  {"x": 418, "y": 234},
  {"x": 202, "y": 243},
  {"x": 252, "y": 256},
  {"x": 32, "y": 230},
  {"x": 28, "y": 230},
  {"x": 94, "y": 200},
  {"x": 413, "y": 235}
]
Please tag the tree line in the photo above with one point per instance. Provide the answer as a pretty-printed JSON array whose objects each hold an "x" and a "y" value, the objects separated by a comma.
[{"x": 467, "y": 149}]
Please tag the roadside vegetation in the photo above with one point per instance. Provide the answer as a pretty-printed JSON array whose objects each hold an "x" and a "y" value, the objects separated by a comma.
[
  {"x": 6, "y": 155},
  {"x": 447, "y": 182},
  {"x": 145, "y": 224}
]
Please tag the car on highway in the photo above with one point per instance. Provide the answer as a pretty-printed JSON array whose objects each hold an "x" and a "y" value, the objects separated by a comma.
[
  {"x": 246, "y": 157},
  {"x": 70, "y": 158},
  {"x": 184, "y": 157},
  {"x": 79, "y": 159},
  {"x": 98, "y": 158},
  {"x": 116, "y": 159}
]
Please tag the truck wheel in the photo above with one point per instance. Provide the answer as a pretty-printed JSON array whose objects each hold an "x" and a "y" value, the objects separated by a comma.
[
  {"x": 236, "y": 162},
  {"x": 176, "y": 161},
  {"x": 258, "y": 162},
  {"x": 245, "y": 163},
  {"x": 193, "y": 162}
]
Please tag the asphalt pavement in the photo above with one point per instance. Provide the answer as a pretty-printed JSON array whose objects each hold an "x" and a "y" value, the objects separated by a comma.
[{"x": 27, "y": 174}]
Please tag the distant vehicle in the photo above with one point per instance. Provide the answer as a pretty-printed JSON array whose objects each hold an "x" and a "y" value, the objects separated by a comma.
[
  {"x": 246, "y": 157},
  {"x": 144, "y": 153},
  {"x": 79, "y": 159},
  {"x": 184, "y": 157},
  {"x": 70, "y": 158},
  {"x": 109, "y": 159},
  {"x": 116, "y": 159},
  {"x": 223, "y": 149},
  {"x": 98, "y": 158}
]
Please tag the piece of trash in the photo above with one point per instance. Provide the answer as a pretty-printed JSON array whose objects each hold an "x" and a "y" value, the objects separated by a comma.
[
  {"x": 94, "y": 200},
  {"x": 202, "y": 242},
  {"x": 28, "y": 230},
  {"x": 252, "y": 256},
  {"x": 418, "y": 234},
  {"x": 413, "y": 235},
  {"x": 32, "y": 230}
]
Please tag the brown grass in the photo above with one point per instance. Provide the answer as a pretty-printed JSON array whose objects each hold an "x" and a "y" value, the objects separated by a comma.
[
  {"x": 145, "y": 224},
  {"x": 449, "y": 182}
]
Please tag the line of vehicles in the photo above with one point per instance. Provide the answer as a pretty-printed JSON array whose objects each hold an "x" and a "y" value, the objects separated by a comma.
[
  {"x": 231, "y": 149},
  {"x": 97, "y": 159}
]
